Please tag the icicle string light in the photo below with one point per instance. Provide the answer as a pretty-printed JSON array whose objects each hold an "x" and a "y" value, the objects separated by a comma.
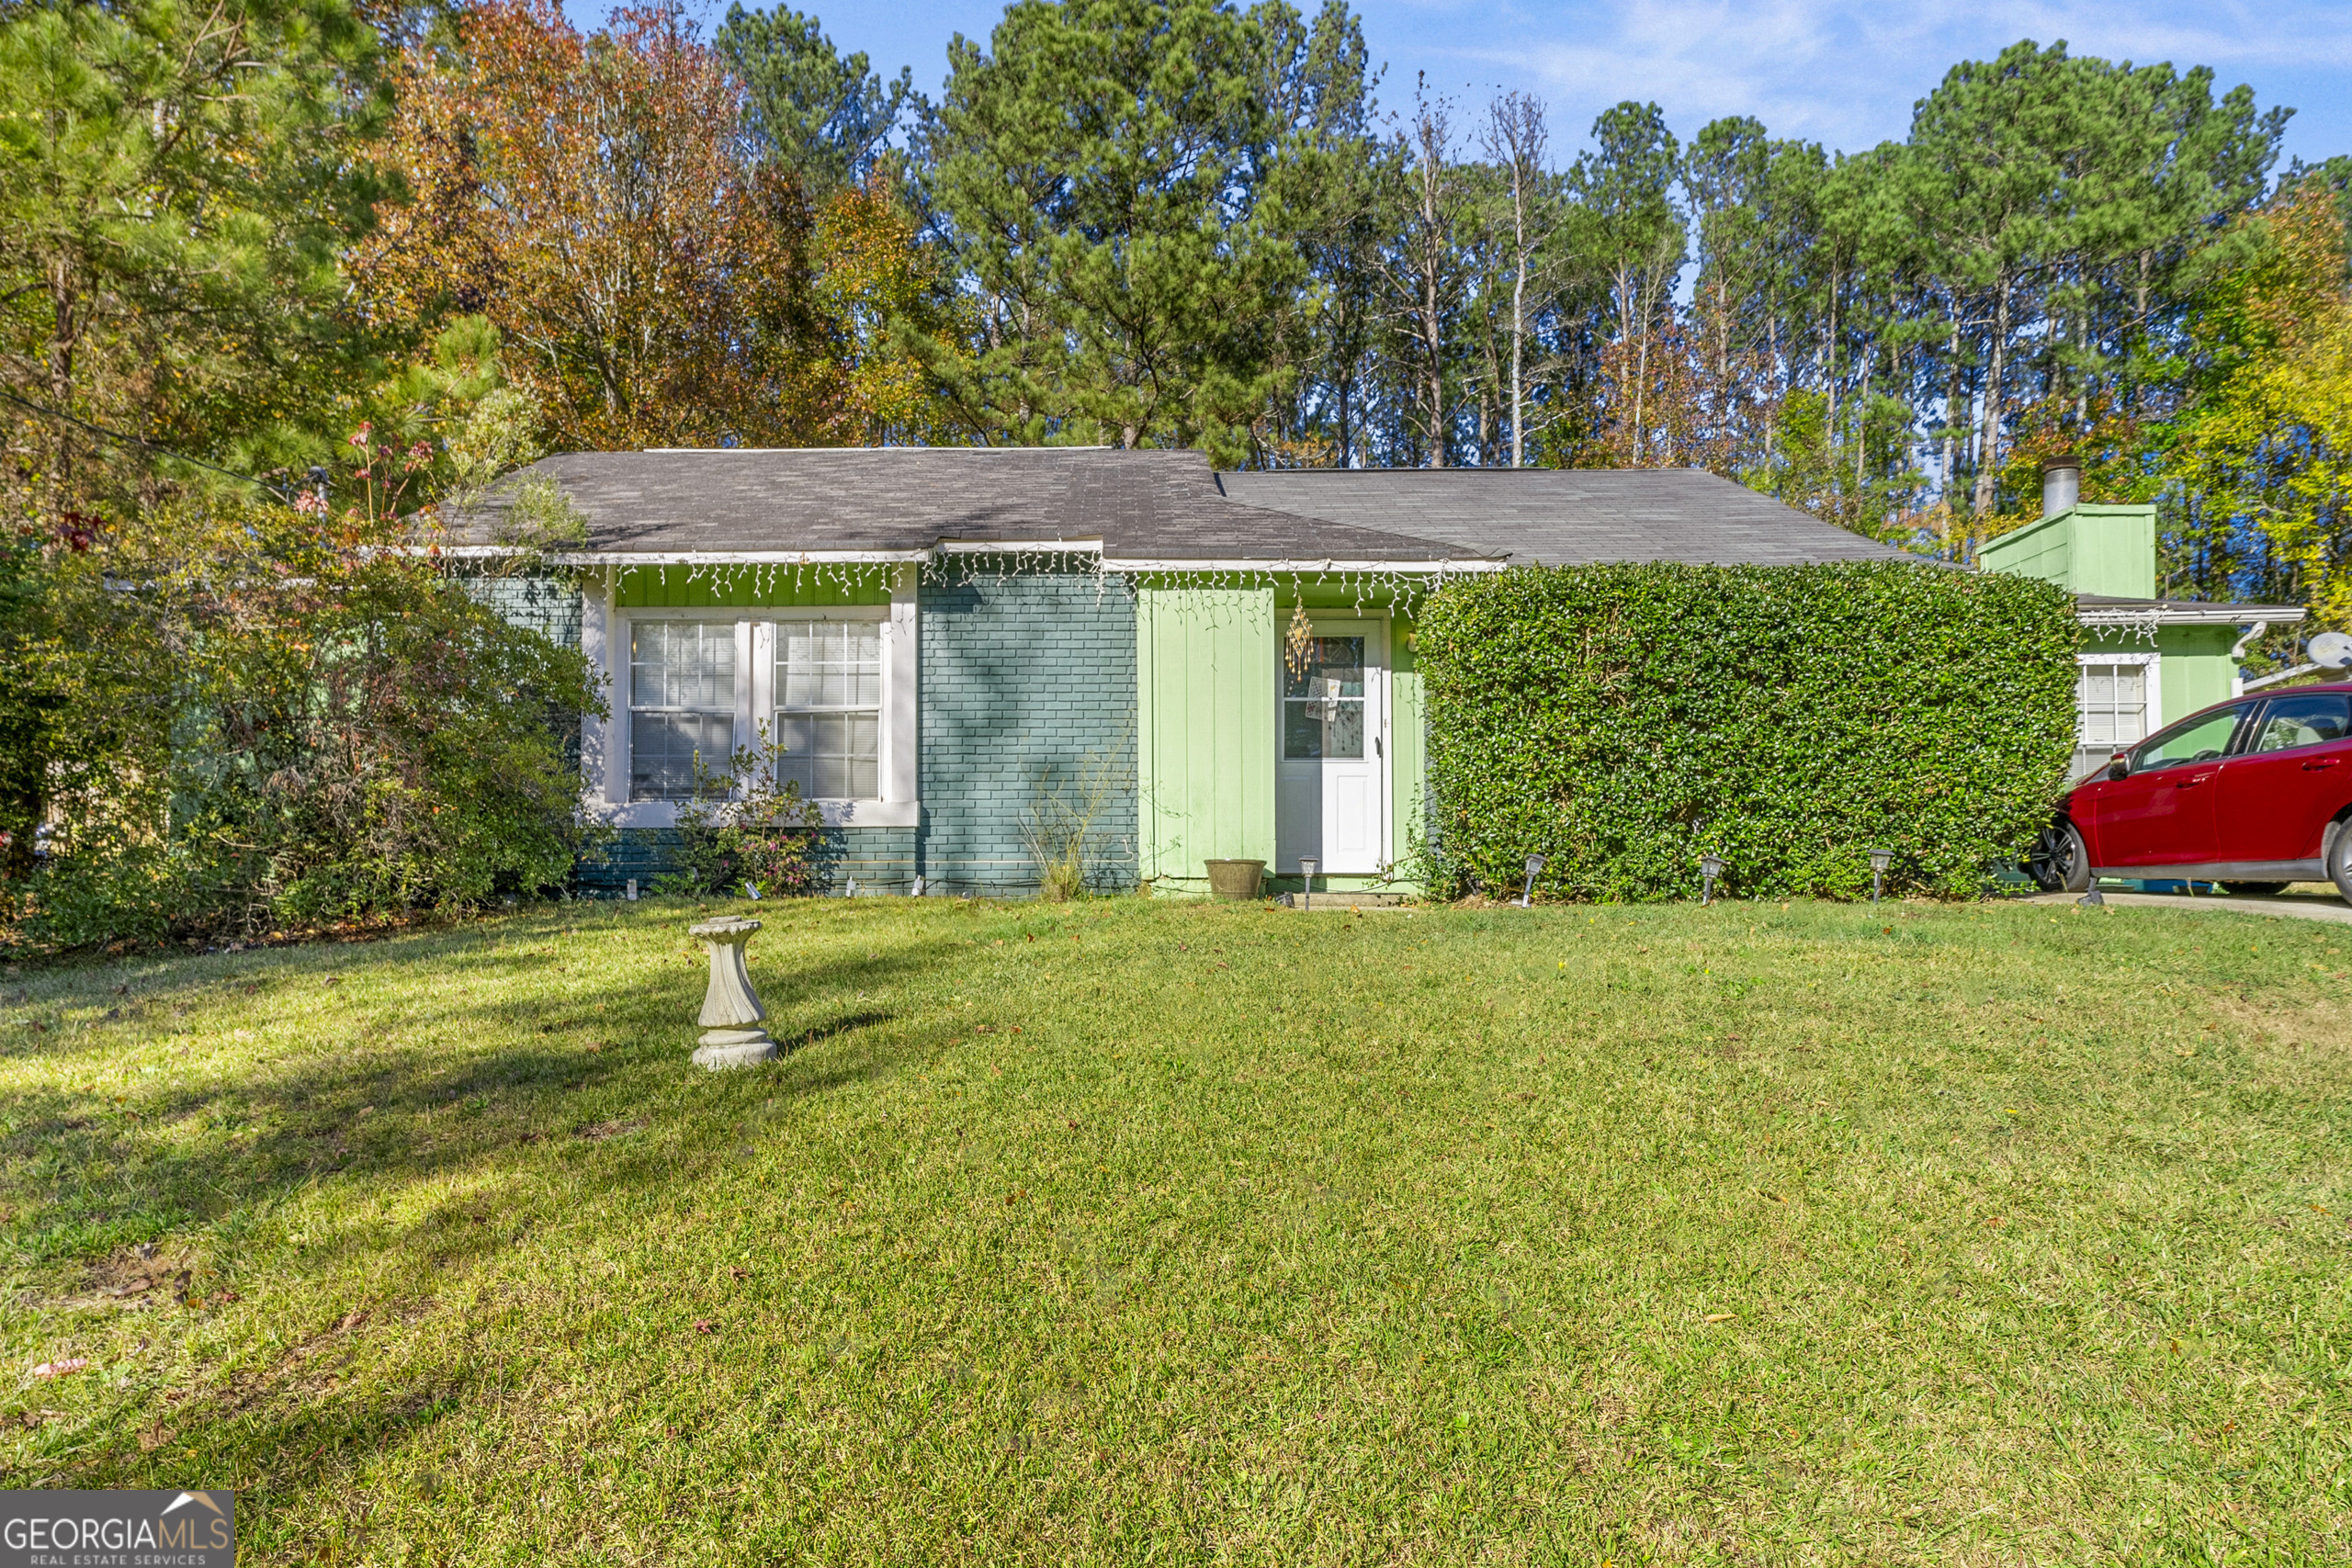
[{"x": 762, "y": 583}]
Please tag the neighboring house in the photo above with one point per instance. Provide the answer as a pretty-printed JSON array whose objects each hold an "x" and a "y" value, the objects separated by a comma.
[
  {"x": 2145, "y": 661},
  {"x": 945, "y": 641}
]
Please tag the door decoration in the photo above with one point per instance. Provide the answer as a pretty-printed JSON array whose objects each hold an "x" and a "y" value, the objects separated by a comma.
[{"x": 1298, "y": 645}]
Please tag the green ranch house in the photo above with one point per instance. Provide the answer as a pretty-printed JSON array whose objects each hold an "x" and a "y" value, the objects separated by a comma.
[{"x": 939, "y": 640}]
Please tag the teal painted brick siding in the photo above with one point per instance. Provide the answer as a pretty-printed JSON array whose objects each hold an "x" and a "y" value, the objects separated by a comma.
[
  {"x": 1025, "y": 677},
  {"x": 640, "y": 852},
  {"x": 880, "y": 859},
  {"x": 548, "y": 605}
]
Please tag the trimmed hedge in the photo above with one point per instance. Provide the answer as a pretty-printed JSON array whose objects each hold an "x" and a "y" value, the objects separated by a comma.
[{"x": 1622, "y": 719}]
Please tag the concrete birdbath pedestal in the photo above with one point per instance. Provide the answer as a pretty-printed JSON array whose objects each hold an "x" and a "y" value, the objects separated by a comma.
[{"x": 730, "y": 1009}]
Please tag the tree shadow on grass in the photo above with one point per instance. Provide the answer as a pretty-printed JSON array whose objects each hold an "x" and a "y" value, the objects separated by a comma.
[
  {"x": 428, "y": 1080},
  {"x": 460, "y": 1117}
]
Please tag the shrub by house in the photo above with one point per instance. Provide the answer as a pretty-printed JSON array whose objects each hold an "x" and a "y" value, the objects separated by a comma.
[{"x": 1621, "y": 720}]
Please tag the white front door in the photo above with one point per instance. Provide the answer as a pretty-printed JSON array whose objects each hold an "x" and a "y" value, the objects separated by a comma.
[{"x": 1331, "y": 795}]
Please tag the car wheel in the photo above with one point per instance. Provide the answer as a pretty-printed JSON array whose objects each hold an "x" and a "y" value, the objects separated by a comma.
[
  {"x": 2339, "y": 861},
  {"x": 2061, "y": 863},
  {"x": 2256, "y": 889}
]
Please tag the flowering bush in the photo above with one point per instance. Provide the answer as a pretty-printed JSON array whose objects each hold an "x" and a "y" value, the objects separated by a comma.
[{"x": 741, "y": 826}]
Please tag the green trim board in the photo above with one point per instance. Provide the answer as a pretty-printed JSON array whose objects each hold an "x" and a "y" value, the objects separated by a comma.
[
  {"x": 683, "y": 587},
  {"x": 1407, "y": 746}
]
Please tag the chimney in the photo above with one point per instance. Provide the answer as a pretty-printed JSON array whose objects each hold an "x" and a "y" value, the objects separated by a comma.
[{"x": 2062, "y": 485}]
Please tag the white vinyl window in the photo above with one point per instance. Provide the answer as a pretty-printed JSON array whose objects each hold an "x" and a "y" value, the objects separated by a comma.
[
  {"x": 2110, "y": 711},
  {"x": 828, "y": 721},
  {"x": 681, "y": 706}
]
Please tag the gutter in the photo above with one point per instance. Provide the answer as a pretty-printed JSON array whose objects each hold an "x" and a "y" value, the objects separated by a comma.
[{"x": 2237, "y": 658}]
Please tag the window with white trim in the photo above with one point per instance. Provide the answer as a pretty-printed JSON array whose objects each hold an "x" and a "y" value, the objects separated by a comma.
[
  {"x": 828, "y": 718},
  {"x": 2110, "y": 711},
  {"x": 681, "y": 705}
]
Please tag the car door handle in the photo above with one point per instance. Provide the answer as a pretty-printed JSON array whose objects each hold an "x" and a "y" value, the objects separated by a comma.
[
  {"x": 2316, "y": 764},
  {"x": 2192, "y": 783}
]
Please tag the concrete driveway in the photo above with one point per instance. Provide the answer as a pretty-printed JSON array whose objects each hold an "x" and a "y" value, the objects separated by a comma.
[{"x": 2304, "y": 901}]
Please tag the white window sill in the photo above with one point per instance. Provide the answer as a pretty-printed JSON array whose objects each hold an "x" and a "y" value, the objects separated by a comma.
[{"x": 837, "y": 813}]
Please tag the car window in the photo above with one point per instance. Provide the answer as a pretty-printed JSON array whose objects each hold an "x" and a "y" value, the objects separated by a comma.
[
  {"x": 2310, "y": 720},
  {"x": 2193, "y": 740}
]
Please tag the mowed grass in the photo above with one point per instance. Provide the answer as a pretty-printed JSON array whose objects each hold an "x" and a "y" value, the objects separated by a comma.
[{"x": 1130, "y": 1233}]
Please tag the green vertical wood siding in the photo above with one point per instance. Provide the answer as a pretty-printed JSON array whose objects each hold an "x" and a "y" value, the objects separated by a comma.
[
  {"x": 1205, "y": 713},
  {"x": 2088, "y": 549},
  {"x": 2197, "y": 670}
]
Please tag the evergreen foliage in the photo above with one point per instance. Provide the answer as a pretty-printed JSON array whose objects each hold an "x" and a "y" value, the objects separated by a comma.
[
  {"x": 1622, "y": 720},
  {"x": 821, "y": 115}
]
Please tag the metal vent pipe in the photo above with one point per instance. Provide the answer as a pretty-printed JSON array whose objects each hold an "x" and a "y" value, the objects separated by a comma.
[{"x": 2062, "y": 485}]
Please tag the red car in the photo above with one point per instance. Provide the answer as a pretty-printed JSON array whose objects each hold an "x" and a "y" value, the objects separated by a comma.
[{"x": 2250, "y": 793}]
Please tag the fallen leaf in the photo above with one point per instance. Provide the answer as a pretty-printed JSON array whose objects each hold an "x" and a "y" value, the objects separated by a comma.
[
  {"x": 705, "y": 1326},
  {"x": 1717, "y": 1318},
  {"x": 61, "y": 1368}
]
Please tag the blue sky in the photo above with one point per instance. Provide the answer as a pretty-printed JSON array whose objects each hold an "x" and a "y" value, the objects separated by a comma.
[{"x": 1844, "y": 72}]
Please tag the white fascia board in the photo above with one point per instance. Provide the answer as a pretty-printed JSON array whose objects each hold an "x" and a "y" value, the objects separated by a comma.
[{"x": 1309, "y": 567}]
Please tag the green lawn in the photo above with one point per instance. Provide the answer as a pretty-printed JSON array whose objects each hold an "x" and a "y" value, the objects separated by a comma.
[{"x": 1123, "y": 1232}]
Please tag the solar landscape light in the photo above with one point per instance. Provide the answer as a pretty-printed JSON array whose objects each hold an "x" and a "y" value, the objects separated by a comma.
[
  {"x": 1879, "y": 861},
  {"x": 1710, "y": 869},
  {"x": 1306, "y": 864},
  {"x": 1527, "y": 894}
]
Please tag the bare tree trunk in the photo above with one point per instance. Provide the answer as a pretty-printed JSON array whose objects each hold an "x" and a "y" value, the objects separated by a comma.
[
  {"x": 1862, "y": 428},
  {"x": 1829, "y": 356},
  {"x": 1518, "y": 320},
  {"x": 1988, "y": 445},
  {"x": 1515, "y": 136},
  {"x": 64, "y": 337},
  {"x": 1433, "y": 138},
  {"x": 1951, "y": 401}
]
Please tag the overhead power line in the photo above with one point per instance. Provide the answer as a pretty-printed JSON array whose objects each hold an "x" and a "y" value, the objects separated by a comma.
[{"x": 145, "y": 445}]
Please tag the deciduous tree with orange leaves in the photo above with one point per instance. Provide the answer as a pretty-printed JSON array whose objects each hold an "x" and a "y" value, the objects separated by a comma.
[{"x": 592, "y": 196}]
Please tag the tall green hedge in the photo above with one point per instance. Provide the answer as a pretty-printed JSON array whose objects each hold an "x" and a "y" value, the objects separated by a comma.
[{"x": 1621, "y": 720}]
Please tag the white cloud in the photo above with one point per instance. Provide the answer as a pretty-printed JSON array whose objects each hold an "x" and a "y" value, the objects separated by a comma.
[{"x": 1840, "y": 72}]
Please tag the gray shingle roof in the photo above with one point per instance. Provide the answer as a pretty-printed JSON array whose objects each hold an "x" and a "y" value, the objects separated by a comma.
[
  {"x": 1140, "y": 505},
  {"x": 1161, "y": 505},
  {"x": 1565, "y": 516}
]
